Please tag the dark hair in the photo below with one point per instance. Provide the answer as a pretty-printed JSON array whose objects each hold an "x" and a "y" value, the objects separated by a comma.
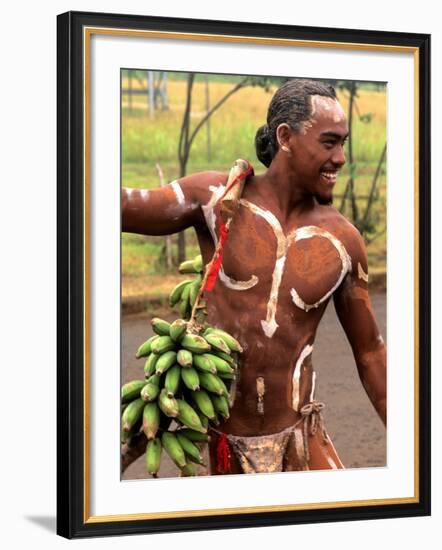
[{"x": 290, "y": 104}]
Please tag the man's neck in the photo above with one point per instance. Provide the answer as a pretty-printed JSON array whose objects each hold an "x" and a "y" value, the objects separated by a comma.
[{"x": 281, "y": 188}]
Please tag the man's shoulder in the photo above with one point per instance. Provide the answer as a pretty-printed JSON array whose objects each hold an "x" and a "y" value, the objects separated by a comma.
[
  {"x": 346, "y": 232},
  {"x": 200, "y": 186}
]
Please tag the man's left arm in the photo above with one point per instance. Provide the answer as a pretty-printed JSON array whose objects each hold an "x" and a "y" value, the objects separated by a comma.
[{"x": 355, "y": 312}]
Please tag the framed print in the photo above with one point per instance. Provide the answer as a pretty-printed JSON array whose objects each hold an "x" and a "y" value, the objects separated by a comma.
[{"x": 220, "y": 184}]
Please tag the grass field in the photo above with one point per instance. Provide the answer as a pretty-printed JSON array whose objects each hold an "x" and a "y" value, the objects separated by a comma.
[{"x": 147, "y": 141}]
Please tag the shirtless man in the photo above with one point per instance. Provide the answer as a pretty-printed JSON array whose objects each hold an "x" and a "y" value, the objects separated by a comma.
[{"x": 288, "y": 252}]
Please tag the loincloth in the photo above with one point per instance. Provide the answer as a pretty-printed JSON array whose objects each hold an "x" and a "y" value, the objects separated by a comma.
[{"x": 267, "y": 453}]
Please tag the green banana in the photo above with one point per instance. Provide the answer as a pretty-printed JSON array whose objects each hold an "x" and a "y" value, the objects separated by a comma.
[
  {"x": 131, "y": 390},
  {"x": 150, "y": 392},
  {"x": 146, "y": 347},
  {"x": 162, "y": 344},
  {"x": 231, "y": 342},
  {"x": 224, "y": 387},
  {"x": 221, "y": 365},
  {"x": 172, "y": 380},
  {"x": 132, "y": 413},
  {"x": 221, "y": 405},
  {"x": 173, "y": 449},
  {"x": 193, "y": 292},
  {"x": 204, "y": 403},
  {"x": 184, "y": 307},
  {"x": 175, "y": 295},
  {"x": 188, "y": 470},
  {"x": 165, "y": 361},
  {"x": 193, "y": 435},
  {"x": 190, "y": 449},
  {"x": 168, "y": 405},
  {"x": 160, "y": 326},
  {"x": 227, "y": 376},
  {"x": 177, "y": 329},
  {"x": 149, "y": 365},
  {"x": 217, "y": 342},
  {"x": 204, "y": 363},
  {"x": 195, "y": 343},
  {"x": 188, "y": 266},
  {"x": 190, "y": 378},
  {"x": 211, "y": 382},
  {"x": 153, "y": 456},
  {"x": 204, "y": 420},
  {"x": 151, "y": 420},
  {"x": 127, "y": 436},
  {"x": 188, "y": 416},
  {"x": 198, "y": 263},
  {"x": 225, "y": 356},
  {"x": 184, "y": 358},
  {"x": 154, "y": 379}
]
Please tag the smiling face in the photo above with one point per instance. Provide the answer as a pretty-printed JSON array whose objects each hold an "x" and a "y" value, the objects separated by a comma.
[{"x": 315, "y": 153}]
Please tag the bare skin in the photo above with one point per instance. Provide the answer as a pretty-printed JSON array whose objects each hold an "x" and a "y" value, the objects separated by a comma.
[{"x": 274, "y": 328}]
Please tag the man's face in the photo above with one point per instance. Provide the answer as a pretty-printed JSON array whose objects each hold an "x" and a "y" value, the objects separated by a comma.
[{"x": 318, "y": 149}]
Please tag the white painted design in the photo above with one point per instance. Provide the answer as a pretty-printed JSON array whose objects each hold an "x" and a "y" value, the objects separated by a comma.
[
  {"x": 296, "y": 378},
  {"x": 237, "y": 285},
  {"x": 128, "y": 192},
  {"x": 210, "y": 217},
  {"x": 144, "y": 193},
  {"x": 312, "y": 393},
  {"x": 307, "y": 232},
  {"x": 209, "y": 210},
  {"x": 361, "y": 273},
  {"x": 178, "y": 192},
  {"x": 331, "y": 463},
  {"x": 270, "y": 325}
]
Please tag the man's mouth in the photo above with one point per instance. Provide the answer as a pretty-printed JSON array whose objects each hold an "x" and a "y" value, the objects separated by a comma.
[{"x": 329, "y": 176}]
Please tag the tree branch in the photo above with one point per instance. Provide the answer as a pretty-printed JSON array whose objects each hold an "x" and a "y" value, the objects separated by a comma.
[
  {"x": 216, "y": 107},
  {"x": 372, "y": 190}
]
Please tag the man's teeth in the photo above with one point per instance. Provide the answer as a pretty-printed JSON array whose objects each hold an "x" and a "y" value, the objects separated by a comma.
[{"x": 329, "y": 175}]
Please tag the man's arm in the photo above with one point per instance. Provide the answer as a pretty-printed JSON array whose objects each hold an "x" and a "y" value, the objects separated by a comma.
[
  {"x": 168, "y": 209},
  {"x": 353, "y": 307}
]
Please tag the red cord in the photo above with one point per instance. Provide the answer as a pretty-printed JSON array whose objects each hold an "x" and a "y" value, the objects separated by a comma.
[{"x": 223, "y": 455}]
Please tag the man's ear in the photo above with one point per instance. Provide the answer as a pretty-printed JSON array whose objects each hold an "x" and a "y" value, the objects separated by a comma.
[{"x": 283, "y": 133}]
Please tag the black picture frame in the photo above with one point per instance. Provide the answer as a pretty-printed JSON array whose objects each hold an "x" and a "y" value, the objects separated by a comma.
[{"x": 73, "y": 518}]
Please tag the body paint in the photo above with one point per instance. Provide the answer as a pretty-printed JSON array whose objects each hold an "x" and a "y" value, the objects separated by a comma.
[
  {"x": 361, "y": 273},
  {"x": 296, "y": 378},
  {"x": 307, "y": 232},
  {"x": 210, "y": 217},
  {"x": 178, "y": 192},
  {"x": 260, "y": 390}
]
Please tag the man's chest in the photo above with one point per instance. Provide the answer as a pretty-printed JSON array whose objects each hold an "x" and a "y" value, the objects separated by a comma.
[{"x": 306, "y": 262}]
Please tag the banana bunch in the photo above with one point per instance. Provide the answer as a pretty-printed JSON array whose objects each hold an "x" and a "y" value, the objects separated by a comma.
[
  {"x": 186, "y": 292},
  {"x": 187, "y": 378}
]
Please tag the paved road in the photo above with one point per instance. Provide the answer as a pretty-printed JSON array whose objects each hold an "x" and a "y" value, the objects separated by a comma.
[{"x": 352, "y": 423}]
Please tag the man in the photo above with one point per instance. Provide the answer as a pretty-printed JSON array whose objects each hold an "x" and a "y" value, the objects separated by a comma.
[{"x": 288, "y": 252}]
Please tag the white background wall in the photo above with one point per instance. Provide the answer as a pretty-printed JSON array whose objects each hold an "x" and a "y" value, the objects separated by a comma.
[{"x": 27, "y": 275}]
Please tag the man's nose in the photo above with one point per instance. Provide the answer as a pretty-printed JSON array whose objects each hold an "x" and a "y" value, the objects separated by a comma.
[{"x": 338, "y": 157}]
